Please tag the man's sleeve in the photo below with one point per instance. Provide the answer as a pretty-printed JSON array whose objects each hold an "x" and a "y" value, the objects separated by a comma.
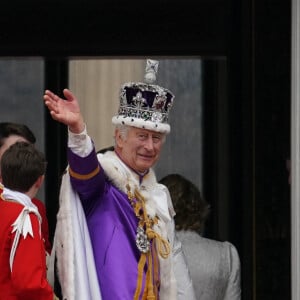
[
  {"x": 234, "y": 285},
  {"x": 185, "y": 289}
]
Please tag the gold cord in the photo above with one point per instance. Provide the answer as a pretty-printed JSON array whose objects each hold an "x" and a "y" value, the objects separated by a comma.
[{"x": 137, "y": 201}]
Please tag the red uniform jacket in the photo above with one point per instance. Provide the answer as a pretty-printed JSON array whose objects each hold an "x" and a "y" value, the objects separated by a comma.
[
  {"x": 45, "y": 227},
  {"x": 27, "y": 280}
]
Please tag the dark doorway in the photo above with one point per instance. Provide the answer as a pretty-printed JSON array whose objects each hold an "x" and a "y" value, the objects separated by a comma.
[{"x": 251, "y": 115}]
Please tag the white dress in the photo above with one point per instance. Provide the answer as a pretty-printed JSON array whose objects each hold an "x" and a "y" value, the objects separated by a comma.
[{"x": 214, "y": 267}]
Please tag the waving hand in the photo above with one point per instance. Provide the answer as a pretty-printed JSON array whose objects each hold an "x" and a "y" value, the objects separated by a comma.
[{"x": 66, "y": 111}]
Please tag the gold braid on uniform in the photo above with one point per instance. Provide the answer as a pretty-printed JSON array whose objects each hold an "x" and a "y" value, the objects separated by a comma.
[{"x": 149, "y": 255}]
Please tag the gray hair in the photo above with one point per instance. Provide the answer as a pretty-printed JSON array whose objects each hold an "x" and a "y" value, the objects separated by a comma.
[{"x": 123, "y": 129}]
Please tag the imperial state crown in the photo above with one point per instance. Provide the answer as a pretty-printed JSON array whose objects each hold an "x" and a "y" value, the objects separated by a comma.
[{"x": 145, "y": 104}]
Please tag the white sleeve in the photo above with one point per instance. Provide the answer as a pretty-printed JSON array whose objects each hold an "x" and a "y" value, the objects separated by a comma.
[{"x": 81, "y": 143}]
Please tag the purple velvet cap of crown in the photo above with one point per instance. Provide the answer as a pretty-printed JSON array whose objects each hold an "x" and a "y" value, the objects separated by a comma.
[{"x": 153, "y": 97}]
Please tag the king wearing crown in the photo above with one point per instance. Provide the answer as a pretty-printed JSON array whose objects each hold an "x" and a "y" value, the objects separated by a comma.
[{"x": 115, "y": 237}]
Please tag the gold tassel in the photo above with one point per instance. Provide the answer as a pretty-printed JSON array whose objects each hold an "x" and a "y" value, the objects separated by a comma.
[
  {"x": 141, "y": 266},
  {"x": 150, "y": 292}
]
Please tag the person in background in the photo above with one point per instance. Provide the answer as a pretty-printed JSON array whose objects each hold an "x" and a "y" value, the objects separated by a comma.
[
  {"x": 129, "y": 215},
  {"x": 9, "y": 134},
  {"x": 214, "y": 265},
  {"x": 22, "y": 250}
]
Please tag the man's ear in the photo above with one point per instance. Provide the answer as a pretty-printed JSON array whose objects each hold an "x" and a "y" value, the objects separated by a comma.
[
  {"x": 39, "y": 181},
  {"x": 118, "y": 138}
]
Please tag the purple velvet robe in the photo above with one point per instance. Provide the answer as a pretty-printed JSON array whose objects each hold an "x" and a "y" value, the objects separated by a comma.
[{"x": 112, "y": 225}]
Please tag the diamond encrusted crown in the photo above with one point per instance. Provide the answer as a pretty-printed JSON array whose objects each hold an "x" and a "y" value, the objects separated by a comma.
[{"x": 144, "y": 104}]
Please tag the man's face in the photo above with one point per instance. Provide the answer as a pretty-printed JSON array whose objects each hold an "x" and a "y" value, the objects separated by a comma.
[
  {"x": 140, "y": 149},
  {"x": 10, "y": 141}
]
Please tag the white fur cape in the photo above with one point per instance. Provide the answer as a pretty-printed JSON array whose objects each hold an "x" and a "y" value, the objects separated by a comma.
[{"x": 73, "y": 250}]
